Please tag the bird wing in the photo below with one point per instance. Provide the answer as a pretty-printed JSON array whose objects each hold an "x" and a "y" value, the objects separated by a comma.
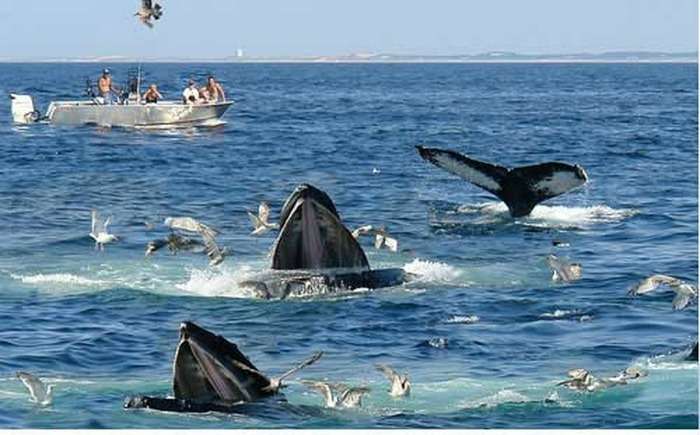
[
  {"x": 107, "y": 222},
  {"x": 37, "y": 389},
  {"x": 681, "y": 300},
  {"x": 353, "y": 395},
  {"x": 215, "y": 254},
  {"x": 95, "y": 218},
  {"x": 315, "y": 357},
  {"x": 361, "y": 231},
  {"x": 254, "y": 220},
  {"x": 264, "y": 212},
  {"x": 389, "y": 372},
  {"x": 320, "y": 387},
  {"x": 379, "y": 241},
  {"x": 391, "y": 243},
  {"x": 146, "y": 4}
]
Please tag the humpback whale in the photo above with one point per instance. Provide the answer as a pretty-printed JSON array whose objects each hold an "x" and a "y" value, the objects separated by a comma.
[
  {"x": 211, "y": 374},
  {"x": 314, "y": 253},
  {"x": 520, "y": 188}
]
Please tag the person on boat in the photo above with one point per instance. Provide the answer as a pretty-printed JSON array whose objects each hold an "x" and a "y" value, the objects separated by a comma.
[
  {"x": 106, "y": 87},
  {"x": 151, "y": 96},
  {"x": 190, "y": 95},
  {"x": 215, "y": 90}
]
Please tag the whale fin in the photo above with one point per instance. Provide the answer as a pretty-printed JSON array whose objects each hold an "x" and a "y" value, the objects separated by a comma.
[{"x": 520, "y": 188}]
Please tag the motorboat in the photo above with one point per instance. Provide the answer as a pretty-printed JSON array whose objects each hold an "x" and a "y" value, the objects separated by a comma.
[{"x": 129, "y": 111}]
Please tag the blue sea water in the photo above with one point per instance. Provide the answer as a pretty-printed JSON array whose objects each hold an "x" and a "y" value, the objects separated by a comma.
[{"x": 102, "y": 326}]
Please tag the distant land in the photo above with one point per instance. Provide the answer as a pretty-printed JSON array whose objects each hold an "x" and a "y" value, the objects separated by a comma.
[{"x": 488, "y": 57}]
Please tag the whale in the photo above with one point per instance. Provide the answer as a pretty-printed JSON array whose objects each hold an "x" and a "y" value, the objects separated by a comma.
[
  {"x": 315, "y": 253},
  {"x": 210, "y": 374},
  {"x": 521, "y": 188}
]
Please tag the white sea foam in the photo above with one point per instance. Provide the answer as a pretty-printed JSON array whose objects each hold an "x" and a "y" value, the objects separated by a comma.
[
  {"x": 550, "y": 216},
  {"x": 566, "y": 315},
  {"x": 502, "y": 397},
  {"x": 468, "y": 320},
  {"x": 217, "y": 283},
  {"x": 59, "y": 278},
  {"x": 431, "y": 271}
]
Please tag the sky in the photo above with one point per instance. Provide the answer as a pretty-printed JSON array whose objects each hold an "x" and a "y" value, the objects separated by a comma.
[{"x": 38, "y": 29}]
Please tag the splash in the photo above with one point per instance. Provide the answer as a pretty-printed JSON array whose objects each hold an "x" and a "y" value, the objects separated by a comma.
[
  {"x": 559, "y": 216},
  {"x": 218, "y": 283},
  {"x": 431, "y": 271},
  {"x": 548, "y": 216}
]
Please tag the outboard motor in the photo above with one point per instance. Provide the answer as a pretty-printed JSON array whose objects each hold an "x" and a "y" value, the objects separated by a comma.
[{"x": 23, "y": 111}]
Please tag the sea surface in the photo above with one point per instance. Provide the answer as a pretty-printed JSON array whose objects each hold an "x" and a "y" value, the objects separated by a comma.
[{"x": 102, "y": 326}]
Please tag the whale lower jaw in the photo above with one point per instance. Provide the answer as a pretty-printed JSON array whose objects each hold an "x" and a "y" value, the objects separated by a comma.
[{"x": 311, "y": 283}]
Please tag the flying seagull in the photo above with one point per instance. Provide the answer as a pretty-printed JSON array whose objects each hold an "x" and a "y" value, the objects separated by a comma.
[
  {"x": 382, "y": 239},
  {"x": 685, "y": 293},
  {"x": 260, "y": 222},
  {"x": 400, "y": 385},
  {"x": 338, "y": 395},
  {"x": 99, "y": 231},
  {"x": 564, "y": 271},
  {"x": 276, "y": 383},
  {"x": 148, "y": 11},
  {"x": 40, "y": 394},
  {"x": 208, "y": 234}
]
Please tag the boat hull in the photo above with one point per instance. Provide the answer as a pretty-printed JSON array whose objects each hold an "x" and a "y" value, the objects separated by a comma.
[{"x": 163, "y": 115}]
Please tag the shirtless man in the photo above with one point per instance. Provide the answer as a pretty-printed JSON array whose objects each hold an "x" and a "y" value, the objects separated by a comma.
[
  {"x": 106, "y": 88},
  {"x": 216, "y": 92}
]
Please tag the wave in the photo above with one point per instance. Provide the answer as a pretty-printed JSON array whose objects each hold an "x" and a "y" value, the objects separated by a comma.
[{"x": 566, "y": 315}]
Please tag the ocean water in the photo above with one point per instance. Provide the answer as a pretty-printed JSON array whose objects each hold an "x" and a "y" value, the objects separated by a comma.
[{"x": 102, "y": 326}]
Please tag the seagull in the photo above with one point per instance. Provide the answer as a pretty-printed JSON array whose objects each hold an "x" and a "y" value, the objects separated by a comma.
[
  {"x": 174, "y": 242},
  {"x": 583, "y": 380},
  {"x": 99, "y": 231},
  {"x": 400, "y": 385},
  {"x": 563, "y": 271},
  {"x": 260, "y": 222},
  {"x": 381, "y": 237},
  {"x": 685, "y": 293},
  {"x": 40, "y": 393},
  {"x": 276, "y": 383},
  {"x": 338, "y": 395},
  {"x": 147, "y": 11},
  {"x": 208, "y": 234}
]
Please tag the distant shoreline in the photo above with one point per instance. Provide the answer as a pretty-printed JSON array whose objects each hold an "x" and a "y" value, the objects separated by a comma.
[
  {"x": 387, "y": 58},
  {"x": 351, "y": 62}
]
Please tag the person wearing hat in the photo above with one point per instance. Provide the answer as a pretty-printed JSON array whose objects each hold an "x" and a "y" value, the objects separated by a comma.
[
  {"x": 190, "y": 95},
  {"x": 106, "y": 88}
]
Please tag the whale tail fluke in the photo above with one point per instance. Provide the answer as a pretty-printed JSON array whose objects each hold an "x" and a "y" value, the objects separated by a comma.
[{"x": 520, "y": 188}]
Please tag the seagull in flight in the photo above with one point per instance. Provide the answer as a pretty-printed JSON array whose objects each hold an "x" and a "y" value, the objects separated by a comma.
[
  {"x": 208, "y": 234},
  {"x": 338, "y": 395},
  {"x": 400, "y": 385},
  {"x": 40, "y": 394},
  {"x": 100, "y": 232},
  {"x": 685, "y": 293},
  {"x": 174, "y": 242},
  {"x": 564, "y": 271},
  {"x": 381, "y": 238},
  {"x": 260, "y": 222},
  {"x": 149, "y": 10}
]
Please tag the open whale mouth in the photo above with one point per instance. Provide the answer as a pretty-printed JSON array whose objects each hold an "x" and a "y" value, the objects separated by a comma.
[
  {"x": 312, "y": 236},
  {"x": 210, "y": 369}
]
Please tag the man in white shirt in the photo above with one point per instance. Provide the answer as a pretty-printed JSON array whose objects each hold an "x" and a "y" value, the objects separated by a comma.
[{"x": 190, "y": 95}]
